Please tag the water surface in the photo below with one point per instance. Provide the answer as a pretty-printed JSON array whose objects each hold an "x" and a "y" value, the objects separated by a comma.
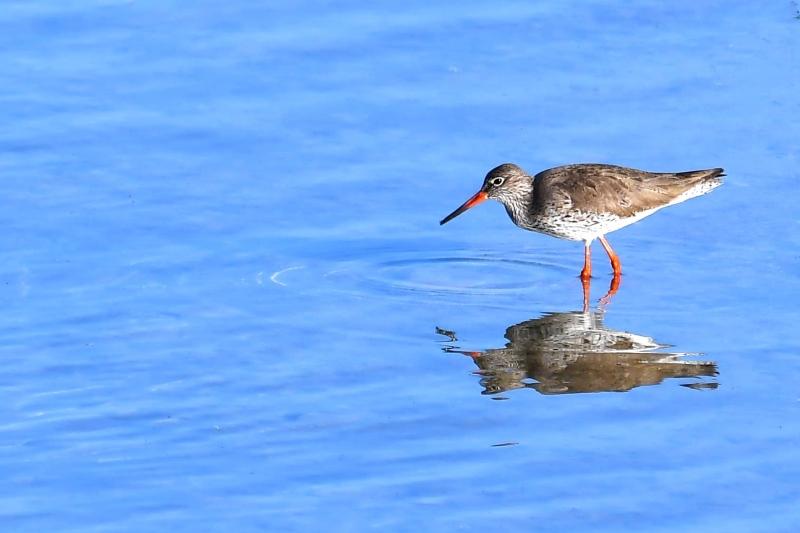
[{"x": 230, "y": 306}]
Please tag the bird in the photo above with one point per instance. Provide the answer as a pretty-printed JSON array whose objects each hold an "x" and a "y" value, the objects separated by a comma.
[{"x": 585, "y": 201}]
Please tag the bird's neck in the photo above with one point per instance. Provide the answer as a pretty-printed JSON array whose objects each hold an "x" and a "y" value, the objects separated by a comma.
[
  {"x": 518, "y": 202},
  {"x": 519, "y": 214}
]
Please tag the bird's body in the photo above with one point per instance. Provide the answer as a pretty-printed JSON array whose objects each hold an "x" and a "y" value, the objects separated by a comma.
[{"x": 586, "y": 201}]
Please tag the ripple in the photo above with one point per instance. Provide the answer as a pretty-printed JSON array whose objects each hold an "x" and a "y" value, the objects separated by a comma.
[{"x": 452, "y": 274}]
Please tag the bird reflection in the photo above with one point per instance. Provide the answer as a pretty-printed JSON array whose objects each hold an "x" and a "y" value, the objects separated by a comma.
[
  {"x": 605, "y": 300},
  {"x": 568, "y": 353}
]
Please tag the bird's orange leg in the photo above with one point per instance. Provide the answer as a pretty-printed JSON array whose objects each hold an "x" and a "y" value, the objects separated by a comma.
[
  {"x": 586, "y": 273},
  {"x": 615, "y": 264}
]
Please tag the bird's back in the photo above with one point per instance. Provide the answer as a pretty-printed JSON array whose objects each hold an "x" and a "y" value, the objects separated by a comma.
[{"x": 617, "y": 191}]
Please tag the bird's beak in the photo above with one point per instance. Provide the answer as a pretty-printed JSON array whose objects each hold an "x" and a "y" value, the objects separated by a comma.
[{"x": 479, "y": 197}]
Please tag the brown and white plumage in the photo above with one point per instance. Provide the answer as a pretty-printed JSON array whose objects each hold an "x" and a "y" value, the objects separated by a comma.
[{"x": 584, "y": 202}]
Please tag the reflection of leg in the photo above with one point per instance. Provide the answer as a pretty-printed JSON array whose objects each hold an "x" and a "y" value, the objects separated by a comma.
[
  {"x": 586, "y": 273},
  {"x": 615, "y": 264},
  {"x": 586, "y": 282},
  {"x": 612, "y": 290}
]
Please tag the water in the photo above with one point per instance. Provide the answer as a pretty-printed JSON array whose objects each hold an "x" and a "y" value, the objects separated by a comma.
[{"x": 229, "y": 305}]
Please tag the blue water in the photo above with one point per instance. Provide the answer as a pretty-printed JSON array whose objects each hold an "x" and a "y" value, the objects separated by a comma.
[{"x": 223, "y": 272}]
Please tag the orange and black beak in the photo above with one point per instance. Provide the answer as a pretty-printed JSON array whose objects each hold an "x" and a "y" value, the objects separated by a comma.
[{"x": 479, "y": 197}]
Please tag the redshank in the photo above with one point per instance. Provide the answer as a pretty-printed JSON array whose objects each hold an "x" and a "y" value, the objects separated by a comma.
[{"x": 584, "y": 202}]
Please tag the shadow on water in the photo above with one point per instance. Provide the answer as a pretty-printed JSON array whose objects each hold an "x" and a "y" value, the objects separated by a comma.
[{"x": 567, "y": 353}]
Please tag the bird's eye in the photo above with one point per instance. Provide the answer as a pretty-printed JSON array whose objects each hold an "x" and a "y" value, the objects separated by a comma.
[{"x": 497, "y": 182}]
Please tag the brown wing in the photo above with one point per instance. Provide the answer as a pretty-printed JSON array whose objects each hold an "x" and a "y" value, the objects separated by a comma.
[{"x": 611, "y": 189}]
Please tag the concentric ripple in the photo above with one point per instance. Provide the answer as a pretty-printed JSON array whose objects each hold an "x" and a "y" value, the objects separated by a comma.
[{"x": 471, "y": 273}]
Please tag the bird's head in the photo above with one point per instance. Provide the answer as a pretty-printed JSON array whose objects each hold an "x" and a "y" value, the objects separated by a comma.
[{"x": 507, "y": 183}]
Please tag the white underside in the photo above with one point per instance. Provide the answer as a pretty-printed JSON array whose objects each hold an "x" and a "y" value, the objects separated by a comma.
[{"x": 607, "y": 223}]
